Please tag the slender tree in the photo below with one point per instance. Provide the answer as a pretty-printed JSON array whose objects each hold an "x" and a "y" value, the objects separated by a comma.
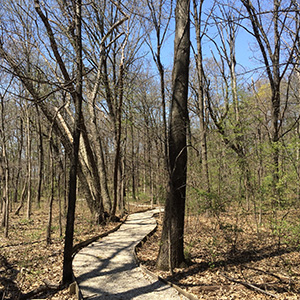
[
  {"x": 41, "y": 156},
  {"x": 197, "y": 15},
  {"x": 160, "y": 22},
  {"x": 29, "y": 163},
  {"x": 5, "y": 168},
  {"x": 51, "y": 196}
]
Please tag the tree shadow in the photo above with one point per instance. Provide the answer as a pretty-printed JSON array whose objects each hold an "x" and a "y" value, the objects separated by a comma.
[
  {"x": 233, "y": 259},
  {"x": 96, "y": 293},
  {"x": 8, "y": 275},
  {"x": 116, "y": 274}
]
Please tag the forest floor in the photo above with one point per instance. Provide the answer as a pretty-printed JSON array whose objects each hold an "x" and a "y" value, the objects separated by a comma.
[
  {"x": 229, "y": 256},
  {"x": 29, "y": 268}
]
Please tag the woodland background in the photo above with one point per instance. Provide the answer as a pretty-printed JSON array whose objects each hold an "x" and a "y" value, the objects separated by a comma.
[{"x": 244, "y": 131}]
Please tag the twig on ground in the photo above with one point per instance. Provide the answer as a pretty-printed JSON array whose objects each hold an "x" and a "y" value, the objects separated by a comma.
[
  {"x": 267, "y": 273},
  {"x": 250, "y": 286},
  {"x": 46, "y": 287}
]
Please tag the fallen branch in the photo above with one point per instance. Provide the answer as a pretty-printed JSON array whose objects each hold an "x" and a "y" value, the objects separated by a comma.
[
  {"x": 250, "y": 286},
  {"x": 267, "y": 273},
  {"x": 22, "y": 244},
  {"x": 47, "y": 287}
]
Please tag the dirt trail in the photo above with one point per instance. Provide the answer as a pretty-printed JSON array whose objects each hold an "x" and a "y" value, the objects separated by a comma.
[{"x": 106, "y": 269}]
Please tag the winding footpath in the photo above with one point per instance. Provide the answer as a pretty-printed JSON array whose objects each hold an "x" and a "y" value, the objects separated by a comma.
[{"x": 107, "y": 269}]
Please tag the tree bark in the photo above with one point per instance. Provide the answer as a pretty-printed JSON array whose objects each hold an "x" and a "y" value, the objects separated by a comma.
[
  {"x": 28, "y": 165},
  {"x": 68, "y": 247},
  {"x": 171, "y": 249},
  {"x": 51, "y": 197},
  {"x": 118, "y": 132},
  {"x": 20, "y": 148},
  {"x": 6, "y": 196},
  {"x": 41, "y": 157}
]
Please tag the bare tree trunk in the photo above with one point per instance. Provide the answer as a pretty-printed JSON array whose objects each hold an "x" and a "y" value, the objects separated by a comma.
[
  {"x": 100, "y": 155},
  {"x": 41, "y": 157},
  {"x": 133, "y": 155},
  {"x": 20, "y": 148},
  {"x": 28, "y": 165},
  {"x": 150, "y": 175},
  {"x": 67, "y": 262},
  {"x": 22, "y": 199},
  {"x": 59, "y": 205},
  {"x": 51, "y": 196},
  {"x": 7, "y": 196},
  {"x": 5, "y": 166},
  {"x": 118, "y": 130},
  {"x": 65, "y": 184},
  {"x": 171, "y": 249},
  {"x": 138, "y": 171},
  {"x": 122, "y": 186},
  {"x": 156, "y": 9},
  {"x": 199, "y": 64}
]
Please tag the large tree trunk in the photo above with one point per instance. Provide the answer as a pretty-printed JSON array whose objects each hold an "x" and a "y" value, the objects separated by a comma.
[
  {"x": 67, "y": 263},
  {"x": 171, "y": 249}
]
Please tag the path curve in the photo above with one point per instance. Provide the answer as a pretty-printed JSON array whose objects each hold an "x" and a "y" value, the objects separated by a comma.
[{"x": 106, "y": 269}]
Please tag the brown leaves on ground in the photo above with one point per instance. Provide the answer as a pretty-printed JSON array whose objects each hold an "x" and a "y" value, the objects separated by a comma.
[
  {"x": 27, "y": 264},
  {"x": 232, "y": 258}
]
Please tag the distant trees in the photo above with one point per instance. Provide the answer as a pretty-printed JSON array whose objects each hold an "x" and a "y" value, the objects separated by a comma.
[
  {"x": 246, "y": 164},
  {"x": 38, "y": 49},
  {"x": 278, "y": 47}
]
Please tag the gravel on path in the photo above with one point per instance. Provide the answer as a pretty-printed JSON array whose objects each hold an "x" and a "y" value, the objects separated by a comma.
[{"x": 106, "y": 269}]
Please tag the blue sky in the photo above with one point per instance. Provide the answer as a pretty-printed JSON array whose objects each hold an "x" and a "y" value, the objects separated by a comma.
[{"x": 244, "y": 43}]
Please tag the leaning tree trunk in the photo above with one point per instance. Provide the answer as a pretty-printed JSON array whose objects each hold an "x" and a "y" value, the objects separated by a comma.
[{"x": 171, "y": 249}]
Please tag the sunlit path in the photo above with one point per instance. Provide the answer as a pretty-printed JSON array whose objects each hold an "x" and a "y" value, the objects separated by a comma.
[{"x": 107, "y": 270}]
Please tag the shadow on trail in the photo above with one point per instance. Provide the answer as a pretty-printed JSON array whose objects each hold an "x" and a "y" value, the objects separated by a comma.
[
  {"x": 99, "y": 294},
  {"x": 107, "y": 268},
  {"x": 8, "y": 275},
  {"x": 99, "y": 265}
]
